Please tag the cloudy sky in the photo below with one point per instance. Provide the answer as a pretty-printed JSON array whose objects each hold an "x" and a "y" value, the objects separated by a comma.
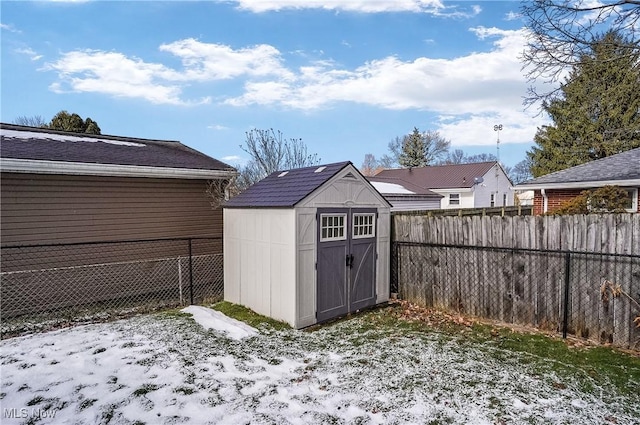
[{"x": 345, "y": 76}]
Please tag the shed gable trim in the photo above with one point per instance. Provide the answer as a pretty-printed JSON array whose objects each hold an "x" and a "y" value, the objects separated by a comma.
[{"x": 350, "y": 173}]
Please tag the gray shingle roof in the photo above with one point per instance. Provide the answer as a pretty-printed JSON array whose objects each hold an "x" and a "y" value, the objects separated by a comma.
[
  {"x": 19, "y": 142},
  {"x": 440, "y": 176},
  {"x": 280, "y": 190},
  {"x": 618, "y": 167}
]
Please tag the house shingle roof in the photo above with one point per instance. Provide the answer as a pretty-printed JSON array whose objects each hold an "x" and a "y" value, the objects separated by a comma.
[
  {"x": 30, "y": 143},
  {"x": 440, "y": 176},
  {"x": 618, "y": 167},
  {"x": 285, "y": 188}
]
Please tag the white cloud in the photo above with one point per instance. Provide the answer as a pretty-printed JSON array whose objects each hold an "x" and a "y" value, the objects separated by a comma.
[
  {"x": 29, "y": 52},
  {"x": 10, "y": 28},
  {"x": 235, "y": 160},
  {"x": 117, "y": 75},
  {"x": 364, "y": 6},
  {"x": 206, "y": 61},
  {"x": 121, "y": 76},
  {"x": 217, "y": 127}
]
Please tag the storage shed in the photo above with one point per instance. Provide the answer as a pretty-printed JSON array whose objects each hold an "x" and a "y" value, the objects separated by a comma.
[{"x": 307, "y": 245}]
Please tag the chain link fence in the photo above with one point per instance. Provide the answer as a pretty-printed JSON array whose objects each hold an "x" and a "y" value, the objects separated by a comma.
[
  {"x": 589, "y": 295},
  {"x": 59, "y": 283}
]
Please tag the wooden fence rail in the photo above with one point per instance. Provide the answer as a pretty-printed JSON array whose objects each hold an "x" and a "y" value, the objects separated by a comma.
[{"x": 546, "y": 272}]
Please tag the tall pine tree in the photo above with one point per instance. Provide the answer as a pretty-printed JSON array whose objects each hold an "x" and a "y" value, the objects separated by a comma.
[
  {"x": 599, "y": 112},
  {"x": 412, "y": 150}
]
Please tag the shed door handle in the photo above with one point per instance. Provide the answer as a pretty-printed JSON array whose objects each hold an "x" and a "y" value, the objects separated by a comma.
[{"x": 350, "y": 260}]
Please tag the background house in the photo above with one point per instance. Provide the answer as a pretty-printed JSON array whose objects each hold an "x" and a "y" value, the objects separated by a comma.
[
  {"x": 404, "y": 196},
  {"x": 476, "y": 185},
  {"x": 554, "y": 189},
  {"x": 307, "y": 245}
]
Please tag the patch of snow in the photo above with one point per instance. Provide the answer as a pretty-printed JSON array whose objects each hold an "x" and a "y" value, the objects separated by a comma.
[
  {"x": 26, "y": 135},
  {"x": 212, "y": 319},
  {"x": 383, "y": 187}
]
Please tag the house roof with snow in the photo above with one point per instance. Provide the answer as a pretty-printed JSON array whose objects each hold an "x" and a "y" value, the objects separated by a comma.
[
  {"x": 398, "y": 187},
  {"x": 283, "y": 189},
  {"x": 40, "y": 150},
  {"x": 440, "y": 176},
  {"x": 619, "y": 169}
]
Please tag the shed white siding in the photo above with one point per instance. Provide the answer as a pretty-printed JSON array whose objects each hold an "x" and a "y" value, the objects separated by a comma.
[{"x": 259, "y": 270}]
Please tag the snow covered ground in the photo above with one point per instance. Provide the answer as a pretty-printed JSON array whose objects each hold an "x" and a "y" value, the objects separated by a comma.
[{"x": 169, "y": 369}]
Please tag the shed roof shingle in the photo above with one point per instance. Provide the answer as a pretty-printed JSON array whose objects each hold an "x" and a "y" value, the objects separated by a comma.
[
  {"x": 30, "y": 143},
  {"x": 619, "y": 167},
  {"x": 285, "y": 188}
]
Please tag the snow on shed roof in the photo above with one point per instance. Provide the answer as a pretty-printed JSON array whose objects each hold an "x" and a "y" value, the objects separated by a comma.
[{"x": 283, "y": 189}]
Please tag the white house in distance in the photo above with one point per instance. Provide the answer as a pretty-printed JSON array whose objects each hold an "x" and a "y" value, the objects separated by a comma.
[{"x": 476, "y": 185}]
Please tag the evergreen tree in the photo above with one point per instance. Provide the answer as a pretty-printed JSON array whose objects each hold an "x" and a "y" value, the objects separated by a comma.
[
  {"x": 422, "y": 149},
  {"x": 598, "y": 113},
  {"x": 412, "y": 154},
  {"x": 65, "y": 121}
]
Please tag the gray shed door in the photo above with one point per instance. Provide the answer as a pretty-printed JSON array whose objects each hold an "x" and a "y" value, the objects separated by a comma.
[{"x": 346, "y": 261}]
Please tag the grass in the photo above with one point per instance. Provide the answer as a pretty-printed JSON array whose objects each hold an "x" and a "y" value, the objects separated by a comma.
[
  {"x": 588, "y": 367},
  {"x": 248, "y": 316}
]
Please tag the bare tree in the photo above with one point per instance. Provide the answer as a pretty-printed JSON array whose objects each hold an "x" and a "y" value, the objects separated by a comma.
[
  {"x": 32, "y": 121},
  {"x": 521, "y": 171},
  {"x": 271, "y": 152},
  {"x": 456, "y": 156},
  {"x": 370, "y": 166},
  {"x": 561, "y": 32}
]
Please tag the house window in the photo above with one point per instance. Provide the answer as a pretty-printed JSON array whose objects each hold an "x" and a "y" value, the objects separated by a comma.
[
  {"x": 364, "y": 226},
  {"x": 504, "y": 199},
  {"x": 332, "y": 227},
  {"x": 493, "y": 200},
  {"x": 632, "y": 202},
  {"x": 454, "y": 199}
]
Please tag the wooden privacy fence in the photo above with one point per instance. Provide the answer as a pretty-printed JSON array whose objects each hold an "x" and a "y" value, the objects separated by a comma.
[{"x": 577, "y": 275}]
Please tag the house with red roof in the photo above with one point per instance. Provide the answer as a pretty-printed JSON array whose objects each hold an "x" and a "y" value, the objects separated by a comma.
[{"x": 476, "y": 185}]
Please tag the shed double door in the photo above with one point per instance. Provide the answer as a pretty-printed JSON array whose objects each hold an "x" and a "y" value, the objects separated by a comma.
[{"x": 346, "y": 263}]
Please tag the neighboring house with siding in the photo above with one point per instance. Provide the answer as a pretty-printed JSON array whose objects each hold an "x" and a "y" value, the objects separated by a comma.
[
  {"x": 60, "y": 187},
  {"x": 554, "y": 189},
  {"x": 476, "y": 185}
]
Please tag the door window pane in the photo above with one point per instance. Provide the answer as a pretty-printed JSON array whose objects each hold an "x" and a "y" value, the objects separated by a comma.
[
  {"x": 332, "y": 227},
  {"x": 363, "y": 226}
]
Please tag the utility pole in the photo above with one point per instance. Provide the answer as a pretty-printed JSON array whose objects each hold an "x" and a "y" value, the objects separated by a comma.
[{"x": 497, "y": 129}]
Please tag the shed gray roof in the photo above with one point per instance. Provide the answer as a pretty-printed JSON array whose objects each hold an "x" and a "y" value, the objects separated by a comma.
[
  {"x": 284, "y": 189},
  {"x": 618, "y": 168},
  {"x": 40, "y": 144}
]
